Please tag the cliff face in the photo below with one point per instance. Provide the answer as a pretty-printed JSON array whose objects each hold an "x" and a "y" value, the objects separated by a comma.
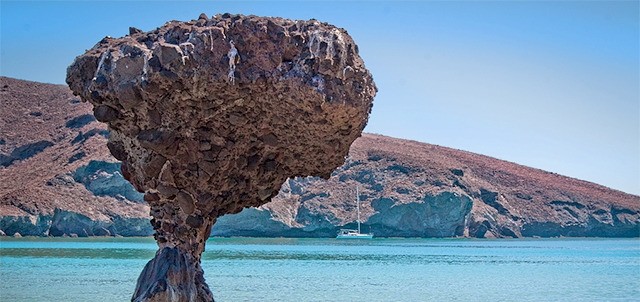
[
  {"x": 419, "y": 190},
  {"x": 405, "y": 187}
]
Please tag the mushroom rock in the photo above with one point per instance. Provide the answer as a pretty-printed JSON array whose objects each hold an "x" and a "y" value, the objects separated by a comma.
[{"x": 213, "y": 115}]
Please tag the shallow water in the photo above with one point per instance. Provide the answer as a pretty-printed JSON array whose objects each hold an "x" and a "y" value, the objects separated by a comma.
[{"x": 255, "y": 269}]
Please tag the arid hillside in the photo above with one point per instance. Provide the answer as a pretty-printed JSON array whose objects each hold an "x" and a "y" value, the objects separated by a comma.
[
  {"x": 46, "y": 135},
  {"x": 57, "y": 178},
  {"x": 414, "y": 189}
]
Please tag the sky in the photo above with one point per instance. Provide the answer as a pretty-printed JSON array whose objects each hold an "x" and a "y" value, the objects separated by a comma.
[{"x": 550, "y": 85}]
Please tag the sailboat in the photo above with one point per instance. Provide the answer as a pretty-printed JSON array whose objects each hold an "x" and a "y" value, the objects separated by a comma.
[{"x": 354, "y": 234}]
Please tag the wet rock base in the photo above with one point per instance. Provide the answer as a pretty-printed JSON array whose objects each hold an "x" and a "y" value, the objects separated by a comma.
[{"x": 172, "y": 275}]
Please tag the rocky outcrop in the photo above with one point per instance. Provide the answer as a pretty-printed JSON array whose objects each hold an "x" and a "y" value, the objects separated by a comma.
[
  {"x": 614, "y": 221},
  {"x": 104, "y": 179},
  {"x": 28, "y": 225},
  {"x": 443, "y": 215},
  {"x": 213, "y": 115},
  {"x": 253, "y": 222},
  {"x": 434, "y": 216},
  {"x": 410, "y": 189},
  {"x": 67, "y": 223},
  {"x": 100, "y": 179}
]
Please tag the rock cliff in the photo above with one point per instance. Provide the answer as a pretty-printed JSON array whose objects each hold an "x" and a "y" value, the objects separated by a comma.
[
  {"x": 412, "y": 189},
  {"x": 213, "y": 115}
]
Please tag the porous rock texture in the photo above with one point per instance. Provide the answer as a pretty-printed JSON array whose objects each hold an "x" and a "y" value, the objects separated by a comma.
[{"x": 213, "y": 115}]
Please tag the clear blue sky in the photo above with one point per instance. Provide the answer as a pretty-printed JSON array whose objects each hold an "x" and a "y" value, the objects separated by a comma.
[{"x": 551, "y": 85}]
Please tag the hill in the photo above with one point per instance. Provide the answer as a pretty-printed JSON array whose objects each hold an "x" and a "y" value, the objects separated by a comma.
[
  {"x": 57, "y": 178},
  {"x": 47, "y": 136}
]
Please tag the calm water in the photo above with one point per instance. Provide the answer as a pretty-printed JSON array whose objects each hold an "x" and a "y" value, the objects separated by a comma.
[{"x": 252, "y": 269}]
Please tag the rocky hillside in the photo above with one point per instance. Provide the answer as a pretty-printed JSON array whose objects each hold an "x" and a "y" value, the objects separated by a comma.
[
  {"x": 56, "y": 175},
  {"x": 57, "y": 178},
  {"x": 419, "y": 190}
]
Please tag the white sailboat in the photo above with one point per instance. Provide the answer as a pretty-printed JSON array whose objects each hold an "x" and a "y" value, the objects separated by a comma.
[{"x": 354, "y": 234}]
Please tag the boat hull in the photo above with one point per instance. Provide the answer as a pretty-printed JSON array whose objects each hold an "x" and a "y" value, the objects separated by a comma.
[{"x": 358, "y": 236}]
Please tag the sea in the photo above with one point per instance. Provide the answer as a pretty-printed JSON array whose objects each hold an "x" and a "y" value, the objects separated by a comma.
[{"x": 280, "y": 269}]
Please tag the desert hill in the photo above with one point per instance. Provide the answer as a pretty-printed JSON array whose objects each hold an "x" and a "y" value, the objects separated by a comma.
[
  {"x": 57, "y": 178},
  {"x": 46, "y": 136}
]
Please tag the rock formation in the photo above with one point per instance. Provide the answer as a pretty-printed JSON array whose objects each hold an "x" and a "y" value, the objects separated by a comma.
[
  {"x": 412, "y": 189},
  {"x": 213, "y": 115},
  {"x": 408, "y": 189}
]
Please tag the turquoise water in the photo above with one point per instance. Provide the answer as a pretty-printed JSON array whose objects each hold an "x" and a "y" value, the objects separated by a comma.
[{"x": 253, "y": 269}]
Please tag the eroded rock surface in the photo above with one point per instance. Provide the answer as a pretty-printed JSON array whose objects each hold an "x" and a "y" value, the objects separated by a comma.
[
  {"x": 413, "y": 189},
  {"x": 213, "y": 115}
]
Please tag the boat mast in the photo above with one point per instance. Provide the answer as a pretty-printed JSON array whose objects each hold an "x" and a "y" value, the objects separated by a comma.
[{"x": 358, "y": 206}]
